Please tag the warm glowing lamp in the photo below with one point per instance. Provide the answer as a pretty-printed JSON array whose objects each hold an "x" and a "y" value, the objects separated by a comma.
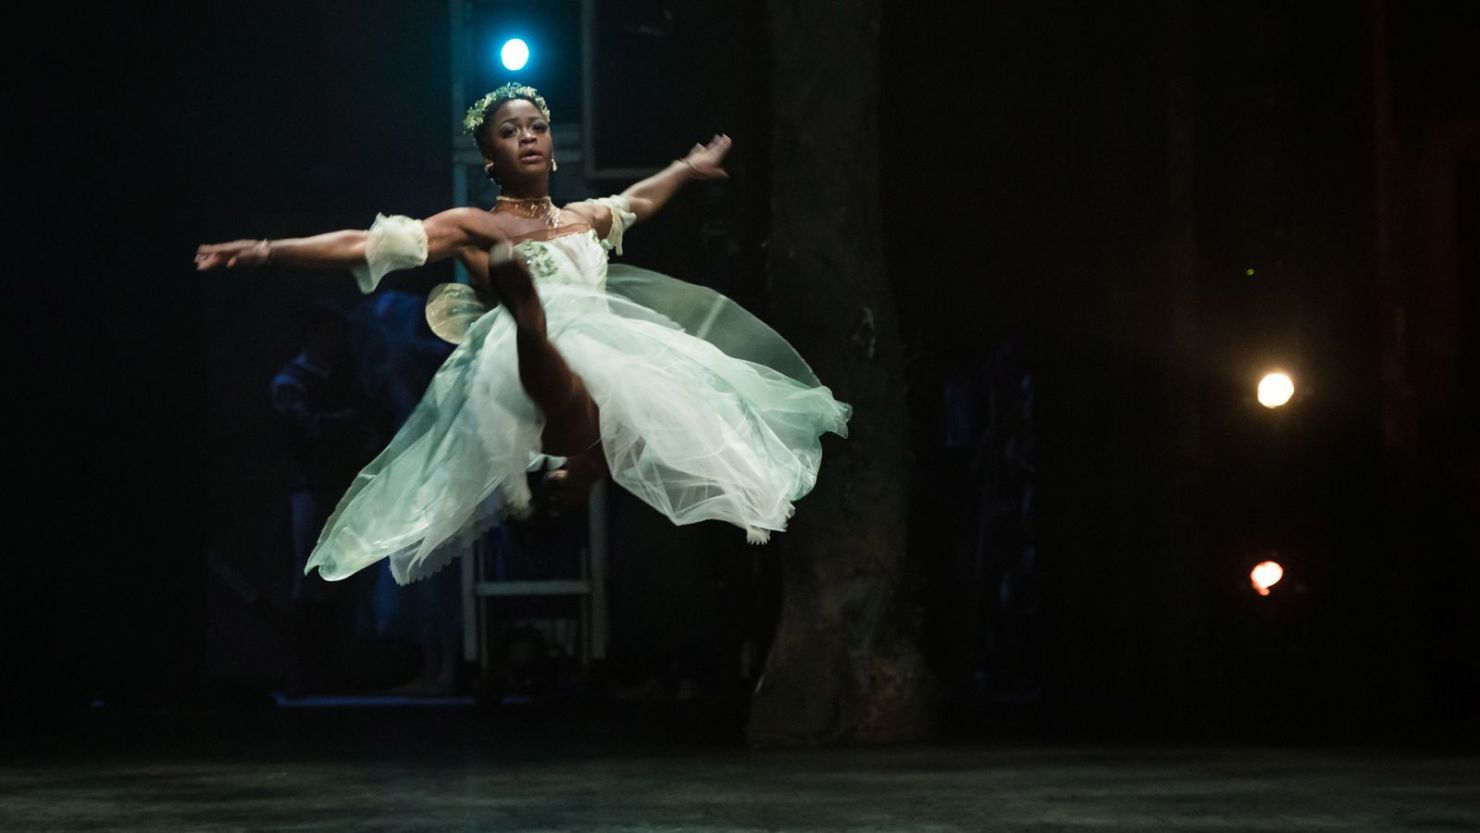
[
  {"x": 1265, "y": 575},
  {"x": 1275, "y": 389}
]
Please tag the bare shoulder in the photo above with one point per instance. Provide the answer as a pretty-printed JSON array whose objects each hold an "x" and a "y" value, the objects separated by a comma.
[
  {"x": 470, "y": 218},
  {"x": 583, "y": 209},
  {"x": 454, "y": 231},
  {"x": 471, "y": 222},
  {"x": 596, "y": 214}
]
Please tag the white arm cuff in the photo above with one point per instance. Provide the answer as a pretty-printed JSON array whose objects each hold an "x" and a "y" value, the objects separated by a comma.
[
  {"x": 395, "y": 242},
  {"x": 622, "y": 218}
]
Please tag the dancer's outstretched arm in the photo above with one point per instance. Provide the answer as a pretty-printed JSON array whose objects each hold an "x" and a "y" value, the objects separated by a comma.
[
  {"x": 448, "y": 234},
  {"x": 702, "y": 162}
]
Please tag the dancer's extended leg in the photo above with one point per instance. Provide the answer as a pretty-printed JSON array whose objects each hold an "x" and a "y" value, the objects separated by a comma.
[{"x": 572, "y": 421}]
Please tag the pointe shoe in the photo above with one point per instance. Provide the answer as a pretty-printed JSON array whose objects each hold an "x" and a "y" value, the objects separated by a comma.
[
  {"x": 568, "y": 489},
  {"x": 570, "y": 484}
]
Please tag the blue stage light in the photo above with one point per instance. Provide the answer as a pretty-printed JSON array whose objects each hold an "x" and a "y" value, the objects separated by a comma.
[{"x": 514, "y": 54}]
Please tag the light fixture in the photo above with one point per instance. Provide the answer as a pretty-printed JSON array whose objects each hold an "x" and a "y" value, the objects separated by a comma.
[
  {"x": 514, "y": 54},
  {"x": 1265, "y": 575},
  {"x": 1275, "y": 389}
]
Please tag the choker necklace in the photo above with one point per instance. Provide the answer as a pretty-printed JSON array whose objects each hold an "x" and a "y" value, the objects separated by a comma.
[{"x": 532, "y": 208}]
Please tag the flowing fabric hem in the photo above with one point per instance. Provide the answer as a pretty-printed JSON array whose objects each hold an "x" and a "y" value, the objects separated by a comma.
[{"x": 729, "y": 430}]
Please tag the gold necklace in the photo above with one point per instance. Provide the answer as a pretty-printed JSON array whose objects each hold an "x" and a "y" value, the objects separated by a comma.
[{"x": 531, "y": 208}]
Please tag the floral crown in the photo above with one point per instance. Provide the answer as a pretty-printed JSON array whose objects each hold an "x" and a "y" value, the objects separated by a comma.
[{"x": 478, "y": 113}]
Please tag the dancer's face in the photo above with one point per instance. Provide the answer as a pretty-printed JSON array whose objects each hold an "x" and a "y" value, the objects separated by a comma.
[{"x": 521, "y": 147}]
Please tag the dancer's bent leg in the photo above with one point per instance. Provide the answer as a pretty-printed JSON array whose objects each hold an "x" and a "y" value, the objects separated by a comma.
[{"x": 572, "y": 420}]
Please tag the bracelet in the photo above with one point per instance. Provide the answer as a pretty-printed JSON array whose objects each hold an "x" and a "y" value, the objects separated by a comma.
[
  {"x": 267, "y": 244},
  {"x": 691, "y": 166}
]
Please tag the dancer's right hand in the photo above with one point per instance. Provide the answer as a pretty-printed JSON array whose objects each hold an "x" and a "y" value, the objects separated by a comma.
[{"x": 233, "y": 254}]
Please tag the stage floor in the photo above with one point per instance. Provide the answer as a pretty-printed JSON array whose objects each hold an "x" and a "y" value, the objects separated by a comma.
[{"x": 458, "y": 771}]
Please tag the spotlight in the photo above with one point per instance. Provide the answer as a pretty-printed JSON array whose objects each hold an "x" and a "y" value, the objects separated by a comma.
[
  {"x": 1275, "y": 389},
  {"x": 1265, "y": 575},
  {"x": 514, "y": 54}
]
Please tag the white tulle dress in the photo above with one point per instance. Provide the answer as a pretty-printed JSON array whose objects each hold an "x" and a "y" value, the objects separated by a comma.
[{"x": 706, "y": 413}]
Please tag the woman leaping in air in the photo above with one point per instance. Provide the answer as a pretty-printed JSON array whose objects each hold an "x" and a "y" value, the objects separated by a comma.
[{"x": 685, "y": 399}]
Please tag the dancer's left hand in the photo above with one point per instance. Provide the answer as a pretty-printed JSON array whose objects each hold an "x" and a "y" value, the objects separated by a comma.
[{"x": 706, "y": 159}]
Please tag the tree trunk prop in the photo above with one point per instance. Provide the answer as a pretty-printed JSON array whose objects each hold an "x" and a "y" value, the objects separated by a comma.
[{"x": 844, "y": 666}]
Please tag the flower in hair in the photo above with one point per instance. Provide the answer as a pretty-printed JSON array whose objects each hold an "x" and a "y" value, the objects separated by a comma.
[{"x": 478, "y": 113}]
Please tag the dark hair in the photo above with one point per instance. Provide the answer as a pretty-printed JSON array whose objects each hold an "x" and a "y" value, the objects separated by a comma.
[{"x": 478, "y": 116}]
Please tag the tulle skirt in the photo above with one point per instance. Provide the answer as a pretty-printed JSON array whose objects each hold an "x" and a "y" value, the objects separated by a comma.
[{"x": 706, "y": 414}]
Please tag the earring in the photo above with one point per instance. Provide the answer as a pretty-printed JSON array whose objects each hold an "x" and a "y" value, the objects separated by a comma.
[{"x": 554, "y": 165}]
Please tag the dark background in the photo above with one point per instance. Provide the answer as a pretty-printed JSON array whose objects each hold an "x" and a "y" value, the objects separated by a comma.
[{"x": 1089, "y": 182}]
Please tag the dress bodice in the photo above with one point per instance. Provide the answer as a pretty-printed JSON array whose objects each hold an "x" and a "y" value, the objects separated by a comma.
[{"x": 577, "y": 259}]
